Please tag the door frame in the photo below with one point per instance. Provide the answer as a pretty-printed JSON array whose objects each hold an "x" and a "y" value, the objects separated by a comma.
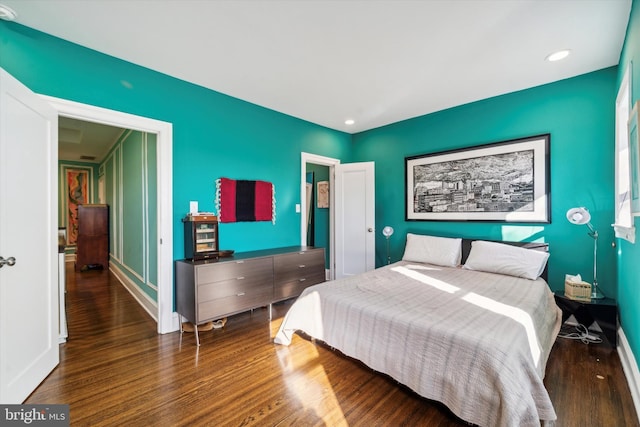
[
  {"x": 166, "y": 318},
  {"x": 323, "y": 161}
]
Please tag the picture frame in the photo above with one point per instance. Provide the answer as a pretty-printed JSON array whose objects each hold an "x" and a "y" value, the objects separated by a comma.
[
  {"x": 634, "y": 159},
  {"x": 505, "y": 181},
  {"x": 323, "y": 194},
  {"x": 78, "y": 183}
]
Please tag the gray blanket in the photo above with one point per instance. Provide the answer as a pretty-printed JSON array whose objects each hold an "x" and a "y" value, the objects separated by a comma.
[{"x": 477, "y": 342}]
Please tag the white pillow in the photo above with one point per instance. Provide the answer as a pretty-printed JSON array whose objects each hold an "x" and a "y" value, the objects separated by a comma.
[
  {"x": 443, "y": 251},
  {"x": 506, "y": 259}
]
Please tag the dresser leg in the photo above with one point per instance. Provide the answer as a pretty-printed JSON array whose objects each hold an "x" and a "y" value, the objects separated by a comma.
[
  {"x": 195, "y": 331},
  {"x": 270, "y": 308}
]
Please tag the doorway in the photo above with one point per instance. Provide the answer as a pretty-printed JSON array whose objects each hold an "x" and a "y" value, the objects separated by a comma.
[
  {"x": 163, "y": 313},
  {"x": 351, "y": 214},
  {"x": 318, "y": 208},
  {"x": 319, "y": 162}
]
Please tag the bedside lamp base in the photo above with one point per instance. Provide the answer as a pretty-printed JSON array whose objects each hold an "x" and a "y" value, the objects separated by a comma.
[{"x": 597, "y": 294}]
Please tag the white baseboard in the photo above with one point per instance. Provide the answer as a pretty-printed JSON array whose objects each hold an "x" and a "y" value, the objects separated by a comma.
[
  {"x": 143, "y": 299},
  {"x": 630, "y": 368}
]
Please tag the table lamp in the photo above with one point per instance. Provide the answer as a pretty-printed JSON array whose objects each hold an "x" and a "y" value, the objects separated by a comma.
[{"x": 581, "y": 216}]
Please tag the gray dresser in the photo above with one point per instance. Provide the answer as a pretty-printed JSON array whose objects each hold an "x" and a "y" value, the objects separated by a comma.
[{"x": 213, "y": 289}]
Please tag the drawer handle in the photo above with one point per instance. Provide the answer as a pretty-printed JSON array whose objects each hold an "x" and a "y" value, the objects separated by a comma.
[
  {"x": 240, "y": 294},
  {"x": 303, "y": 279},
  {"x": 301, "y": 266},
  {"x": 240, "y": 278}
]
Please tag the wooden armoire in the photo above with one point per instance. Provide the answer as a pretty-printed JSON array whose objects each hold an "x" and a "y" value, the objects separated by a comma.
[{"x": 92, "y": 250}]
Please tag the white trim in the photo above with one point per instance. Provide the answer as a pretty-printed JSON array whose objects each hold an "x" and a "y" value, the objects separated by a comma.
[
  {"x": 133, "y": 272},
  {"x": 623, "y": 227},
  {"x": 145, "y": 207},
  {"x": 149, "y": 305},
  {"x": 113, "y": 250},
  {"x": 62, "y": 290},
  {"x": 119, "y": 196},
  {"x": 624, "y": 232},
  {"x": 323, "y": 161},
  {"x": 101, "y": 188},
  {"x": 167, "y": 319},
  {"x": 630, "y": 368}
]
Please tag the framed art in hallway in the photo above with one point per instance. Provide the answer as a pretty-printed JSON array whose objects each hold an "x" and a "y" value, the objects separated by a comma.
[
  {"x": 77, "y": 186},
  {"x": 504, "y": 181}
]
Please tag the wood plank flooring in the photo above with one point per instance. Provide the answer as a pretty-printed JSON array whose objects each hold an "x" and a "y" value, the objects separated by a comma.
[{"x": 115, "y": 370}]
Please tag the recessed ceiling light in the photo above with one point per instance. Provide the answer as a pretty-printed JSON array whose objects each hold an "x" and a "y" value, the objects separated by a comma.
[
  {"x": 7, "y": 14},
  {"x": 349, "y": 122},
  {"x": 557, "y": 56}
]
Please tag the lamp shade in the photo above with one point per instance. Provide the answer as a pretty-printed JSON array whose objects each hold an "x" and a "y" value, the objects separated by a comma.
[
  {"x": 387, "y": 231},
  {"x": 578, "y": 216}
]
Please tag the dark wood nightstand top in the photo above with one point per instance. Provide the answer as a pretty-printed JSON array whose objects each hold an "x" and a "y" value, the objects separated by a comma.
[{"x": 602, "y": 301}]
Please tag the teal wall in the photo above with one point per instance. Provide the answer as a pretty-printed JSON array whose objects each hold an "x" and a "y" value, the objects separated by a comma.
[
  {"x": 579, "y": 115},
  {"x": 214, "y": 135},
  {"x": 628, "y": 255}
]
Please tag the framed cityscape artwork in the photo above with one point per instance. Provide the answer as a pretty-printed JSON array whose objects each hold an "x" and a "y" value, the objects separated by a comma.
[{"x": 504, "y": 181}]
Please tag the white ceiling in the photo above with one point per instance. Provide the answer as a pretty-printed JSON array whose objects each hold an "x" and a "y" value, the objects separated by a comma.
[
  {"x": 377, "y": 62},
  {"x": 84, "y": 141}
]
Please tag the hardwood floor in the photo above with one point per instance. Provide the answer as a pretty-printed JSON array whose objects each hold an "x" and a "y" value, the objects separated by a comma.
[{"x": 116, "y": 370}]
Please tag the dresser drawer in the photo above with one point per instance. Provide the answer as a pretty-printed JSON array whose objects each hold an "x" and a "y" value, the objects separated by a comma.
[
  {"x": 219, "y": 272},
  {"x": 296, "y": 271},
  {"x": 240, "y": 285},
  {"x": 294, "y": 288},
  {"x": 299, "y": 265},
  {"x": 220, "y": 307}
]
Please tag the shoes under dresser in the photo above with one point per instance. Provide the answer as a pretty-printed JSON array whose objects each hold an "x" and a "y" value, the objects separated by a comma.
[{"x": 212, "y": 289}]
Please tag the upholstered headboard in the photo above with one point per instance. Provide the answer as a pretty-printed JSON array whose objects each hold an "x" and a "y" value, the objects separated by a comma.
[{"x": 544, "y": 247}]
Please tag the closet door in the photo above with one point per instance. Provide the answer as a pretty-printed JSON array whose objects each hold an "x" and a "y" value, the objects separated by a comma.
[{"x": 355, "y": 218}]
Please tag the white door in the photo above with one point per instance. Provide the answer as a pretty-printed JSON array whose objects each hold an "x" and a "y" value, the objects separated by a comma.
[
  {"x": 28, "y": 240},
  {"x": 354, "y": 218}
]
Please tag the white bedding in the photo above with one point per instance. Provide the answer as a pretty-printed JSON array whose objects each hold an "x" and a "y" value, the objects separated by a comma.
[{"x": 477, "y": 342}]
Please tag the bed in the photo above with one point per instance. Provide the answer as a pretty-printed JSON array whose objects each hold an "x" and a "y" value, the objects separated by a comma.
[{"x": 464, "y": 328}]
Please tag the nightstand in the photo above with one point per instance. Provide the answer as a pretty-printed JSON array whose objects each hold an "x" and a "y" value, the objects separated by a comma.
[{"x": 604, "y": 312}]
